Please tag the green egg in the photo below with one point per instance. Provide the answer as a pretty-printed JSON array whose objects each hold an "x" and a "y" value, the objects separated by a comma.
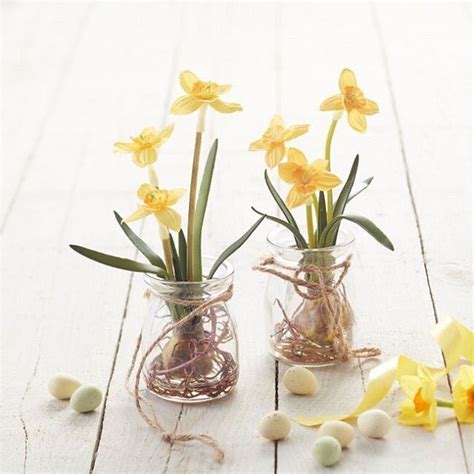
[
  {"x": 327, "y": 450},
  {"x": 86, "y": 398}
]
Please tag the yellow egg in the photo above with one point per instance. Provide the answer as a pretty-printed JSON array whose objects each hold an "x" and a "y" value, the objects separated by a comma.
[
  {"x": 300, "y": 381},
  {"x": 86, "y": 398},
  {"x": 275, "y": 425},
  {"x": 62, "y": 386}
]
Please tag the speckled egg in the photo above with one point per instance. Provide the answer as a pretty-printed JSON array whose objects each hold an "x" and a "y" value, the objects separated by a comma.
[
  {"x": 86, "y": 398},
  {"x": 62, "y": 386},
  {"x": 340, "y": 430},
  {"x": 374, "y": 423},
  {"x": 300, "y": 381},
  {"x": 327, "y": 450},
  {"x": 275, "y": 425}
]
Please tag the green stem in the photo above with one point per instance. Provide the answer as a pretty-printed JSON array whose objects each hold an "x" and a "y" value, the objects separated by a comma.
[
  {"x": 309, "y": 223},
  {"x": 327, "y": 157},
  {"x": 316, "y": 212},
  {"x": 444, "y": 404}
]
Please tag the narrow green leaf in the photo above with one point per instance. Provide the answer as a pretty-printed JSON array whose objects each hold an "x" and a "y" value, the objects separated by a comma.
[
  {"x": 118, "y": 262},
  {"x": 200, "y": 212},
  {"x": 142, "y": 247},
  {"x": 233, "y": 247},
  {"x": 281, "y": 204},
  {"x": 322, "y": 217},
  {"x": 176, "y": 262},
  {"x": 183, "y": 252},
  {"x": 366, "y": 184},
  {"x": 300, "y": 240},
  {"x": 361, "y": 221}
]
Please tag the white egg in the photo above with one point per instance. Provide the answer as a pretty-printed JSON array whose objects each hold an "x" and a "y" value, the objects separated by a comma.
[
  {"x": 327, "y": 450},
  {"x": 86, "y": 398},
  {"x": 374, "y": 423},
  {"x": 300, "y": 381},
  {"x": 275, "y": 425},
  {"x": 62, "y": 386},
  {"x": 340, "y": 430}
]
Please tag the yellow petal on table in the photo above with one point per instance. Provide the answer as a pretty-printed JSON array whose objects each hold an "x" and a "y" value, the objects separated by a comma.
[
  {"x": 333, "y": 103},
  {"x": 275, "y": 154},
  {"x": 174, "y": 195},
  {"x": 347, "y": 79},
  {"x": 357, "y": 120},
  {"x": 297, "y": 156},
  {"x": 169, "y": 218},
  {"x": 140, "y": 213},
  {"x": 185, "y": 105},
  {"x": 295, "y": 131},
  {"x": 225, "y": 107},
  {"x": 145, "y": 157},
  {"x": 188, "y": 79},
  {"x": 370, "y": 107}
]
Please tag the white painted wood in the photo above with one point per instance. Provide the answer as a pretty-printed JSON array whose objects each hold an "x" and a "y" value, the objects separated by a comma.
[{"x": 77, "y": 77}]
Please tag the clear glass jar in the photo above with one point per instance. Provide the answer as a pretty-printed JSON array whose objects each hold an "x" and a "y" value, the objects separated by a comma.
[
  {"x": 305, "y": 322},
  {"x": 197, "y": 361}
]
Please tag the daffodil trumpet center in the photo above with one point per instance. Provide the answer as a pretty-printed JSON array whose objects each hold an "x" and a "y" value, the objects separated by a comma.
[
  {"x": 353, "y": 98},
  {"x": 470, "y": 397}
]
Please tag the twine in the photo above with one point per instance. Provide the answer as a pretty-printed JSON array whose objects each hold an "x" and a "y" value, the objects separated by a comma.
[
  {"x": 318, "y": 289},
  {"x": 153, "y": 420}
]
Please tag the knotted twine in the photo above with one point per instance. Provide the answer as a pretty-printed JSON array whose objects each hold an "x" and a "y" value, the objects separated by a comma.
[
  {"x": 152, "y": 419},
  {"x": 315, "y": 290}
]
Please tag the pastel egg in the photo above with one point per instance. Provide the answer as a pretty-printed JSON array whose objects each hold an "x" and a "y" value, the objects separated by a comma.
[
  {"x": 300, "y": 381},
  {"x": 340, "y": 430},
  {"x": 374, "y": 423},
  {"x": 275, "y": 425},
  {"x": 62, "y": 386},
  {"x": 86, "y": 398},
  {"x": 327, "y": 450}
]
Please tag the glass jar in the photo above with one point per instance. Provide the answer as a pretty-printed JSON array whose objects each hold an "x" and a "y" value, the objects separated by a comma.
[
  {"x": 197, "y": 360},
  {"x": 308, "y": 314}
]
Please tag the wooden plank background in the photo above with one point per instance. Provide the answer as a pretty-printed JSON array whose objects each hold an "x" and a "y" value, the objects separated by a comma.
[{"x": 78, "y": 76}]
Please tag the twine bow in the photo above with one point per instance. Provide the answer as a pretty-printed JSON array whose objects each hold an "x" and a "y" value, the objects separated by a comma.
[{"x": 152, "y": 420}]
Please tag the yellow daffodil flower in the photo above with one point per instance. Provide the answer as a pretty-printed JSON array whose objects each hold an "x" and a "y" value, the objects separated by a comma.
[
  {"x": 463, "y": 394},
  {"x": 305, "y": 177},
  {"x": 158, "y": 201},
  {"x": 352, "y": 100},
  {"x": 144, "y": 146},
  {"x": 274, "y": 138},
  {"x": 199, "y": 93},
  {"x": 420, "y": 407}
]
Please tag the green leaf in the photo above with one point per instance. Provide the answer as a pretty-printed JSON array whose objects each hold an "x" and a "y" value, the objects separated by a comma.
[
  {"x": 233, "y": 247},
  {"x": 176, "y": 262},
  {"x": 322, "y": 216},
  {"x": 118, "y": 262},
  {"x": 200, "y": 211},
  {"x": 281, "y": 204},
  {"x": 300, "y": 240},
  {"x": 142, "y": 247},
  {"x": 366, "y": 184},
  {"x": 361, "y": 221},
  {"x": 183, "y": 252}
]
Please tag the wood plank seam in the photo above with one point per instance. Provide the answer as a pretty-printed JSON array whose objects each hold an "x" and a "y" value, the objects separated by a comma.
[{"x": 386, "y": 66}]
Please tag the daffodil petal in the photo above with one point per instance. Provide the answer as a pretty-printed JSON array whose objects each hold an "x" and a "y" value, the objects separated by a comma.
[
  {"x": 146, "y": 157},
  {"x": 225, "y": 107},
  {"x": 333, "y": 103},
  {"x": 258, "y": 145},
  {"x": 275, "y": 154},
  {"x": 277, "y": 121},
  {"x": 223, "y": 88},
  {"x": 410, "y": 384},
  {"x": 295, "y": 131},
  {"x": 145, "y": 189},
  {"x": 327, "y": 181},
  {"x": 347, "y": 79},
  {"x": 174, "y": 195},
  {"x": 295, "y": 198},
  {"x": 123, "y": 147},
  {"x": 188, "y": 79},
  {"x": 289, "y": 172},
  {"x": 319, "y": 165},
  {"x": 164, "y": 134},
  {"x": 357, "y": 121},
  {"x": 186, "y": 104},
  {"x": 370, "y": 107},
  {"x": 169, "y": 218},
  {"x": 297, "y": 156},
  {"x": 140, "y": 213}
]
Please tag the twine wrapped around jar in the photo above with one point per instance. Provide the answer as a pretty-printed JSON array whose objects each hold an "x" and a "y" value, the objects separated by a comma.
[{"x": 317, "y": 285}]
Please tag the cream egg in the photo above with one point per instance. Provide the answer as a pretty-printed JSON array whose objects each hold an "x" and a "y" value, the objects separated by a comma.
[
  {"x": 86, "y": 398},
  {"x": 62, "y": 386},
  {"x": 340, "y": 430},
  {"x": 300, "y": 381},
  {"x": 275, "y": 425},
  {"x": 374, "y": 423}
]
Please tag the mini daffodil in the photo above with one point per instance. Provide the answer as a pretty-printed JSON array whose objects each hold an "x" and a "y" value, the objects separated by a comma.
[
  {"x": 199, "y": 93},
  {"x": 144, "y": 146},
  {"x": 274, "y": 138},
  {"x": 463, "y": 394},
  {"x": 305, "y": 177},
  {"x": 158, "y": 201},
  {"x": 352, "y": 100},
  {"x": 420, "y": 406}
]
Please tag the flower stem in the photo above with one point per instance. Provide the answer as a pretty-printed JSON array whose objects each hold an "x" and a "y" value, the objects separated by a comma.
[
  {"x": 316, "y": 212},
  {"x": 309, "y": 223},
  {"x": 444, "y": 404},
  {"x": 327, "y": 157},
  {"x": 193, "y": 188}
]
